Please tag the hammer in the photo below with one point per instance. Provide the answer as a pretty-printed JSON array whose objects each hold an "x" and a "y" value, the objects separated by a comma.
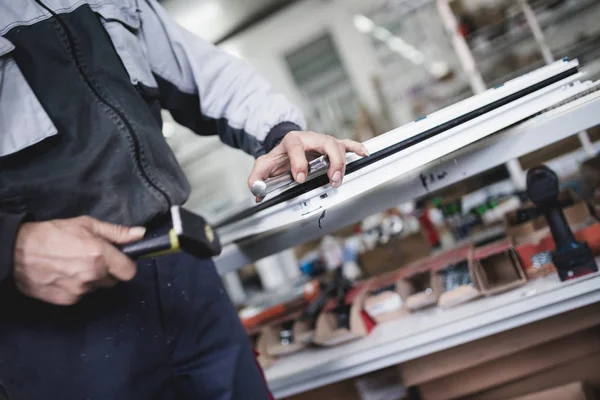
[{"x": 190, "y": 233}]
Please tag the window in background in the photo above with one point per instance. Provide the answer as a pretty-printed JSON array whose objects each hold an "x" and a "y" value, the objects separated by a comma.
[
  {"x": 321, "y": 78},
  {"x": 420, "y": 71}
]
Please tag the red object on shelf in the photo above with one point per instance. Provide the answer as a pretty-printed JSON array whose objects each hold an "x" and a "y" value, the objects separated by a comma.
[
  {"x": 533, "y": 253},
  {"x": 430, "y": 232},
  {"x": 268, "y": 314}
]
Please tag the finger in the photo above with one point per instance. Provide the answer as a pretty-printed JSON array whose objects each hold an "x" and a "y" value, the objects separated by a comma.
[
  {"x": 298, "y": 162},
  {"x": 337, "y": 161},
  {"x": 262, "y": 169},
  {"x": 105, "y": 283},
  {"x": 119, "y": 265},
  {"x": 59, "y": 296},
  {"x": 116, "y": 233},
  {"x": 63, "y": 298},
  {"x": 355, "y": 147},
  {"x": 343, "y": 151}
]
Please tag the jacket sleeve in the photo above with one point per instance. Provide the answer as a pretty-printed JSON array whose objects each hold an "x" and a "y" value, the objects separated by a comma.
[
  {"x": 9, "y": 226},
  {"x": 212, "y": 92}
]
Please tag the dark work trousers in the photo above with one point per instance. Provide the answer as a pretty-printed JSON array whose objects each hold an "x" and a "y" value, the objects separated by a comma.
[{"x": 170, "y": 333}]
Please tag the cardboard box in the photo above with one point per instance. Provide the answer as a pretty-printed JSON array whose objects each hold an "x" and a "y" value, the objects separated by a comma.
[
  {"x": 389, "y": 257},
  {"x": 301, "y": 337},
  {"x": 262, "y": 356},
  {"x": 463, "y": 293},
  {"x": 383, "y": 302},
  {"x": 485, "y": 350},
  {"x": 303, "y": 332},
  {"x": 570, "y": 391},
  {"x": 327, "y": 330},
  {"x": 497, "y": 268},
  {"x": 576, "y": 212},
  {"x": 535, "y": 256},
  {"x": 513, "y": 367},
  {"x": 417, "y": 287}
]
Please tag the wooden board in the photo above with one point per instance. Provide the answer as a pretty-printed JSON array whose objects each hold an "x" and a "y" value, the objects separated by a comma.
[
  {"x": 503, "y": 370},
  {"x": 455, "y": 359},
  {"x": 570, "y": 391}
]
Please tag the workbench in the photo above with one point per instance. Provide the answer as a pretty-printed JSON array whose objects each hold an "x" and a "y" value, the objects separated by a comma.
[{"x": 429, "y": 331}]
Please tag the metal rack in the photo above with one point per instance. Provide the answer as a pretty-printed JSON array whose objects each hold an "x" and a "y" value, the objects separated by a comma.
[{"x": 430, "y": 331}]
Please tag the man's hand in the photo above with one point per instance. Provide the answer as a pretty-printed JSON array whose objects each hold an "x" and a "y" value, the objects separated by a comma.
[
  {"x": 59, "y": 261},
  {"x": 297, "y": 148}
]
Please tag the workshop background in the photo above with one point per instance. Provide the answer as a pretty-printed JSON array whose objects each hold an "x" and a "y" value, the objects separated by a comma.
[{"x": 360, "y": 68}]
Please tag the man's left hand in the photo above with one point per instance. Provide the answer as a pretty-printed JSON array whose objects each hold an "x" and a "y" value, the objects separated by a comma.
[{"x": 297, "y": 148}]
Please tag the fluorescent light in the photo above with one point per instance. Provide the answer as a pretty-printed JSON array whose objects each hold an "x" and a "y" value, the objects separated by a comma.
[
  {"x": 407, "y": 51},
  {"x": 363, "y": 24},
  {"x": 397, "y": 44},
  {"x": 382, "y": 33},
  {"x": 200, "y": 15},
  {"x": 416, "y": 58}
]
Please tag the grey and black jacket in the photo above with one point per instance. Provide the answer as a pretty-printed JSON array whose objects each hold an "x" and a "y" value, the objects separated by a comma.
[{"x": 82, "y": 85}]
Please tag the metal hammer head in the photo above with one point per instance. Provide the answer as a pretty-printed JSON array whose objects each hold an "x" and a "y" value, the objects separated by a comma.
[
  {"x": 195, "y": 236},
  {"x": 189, "y": 233}
]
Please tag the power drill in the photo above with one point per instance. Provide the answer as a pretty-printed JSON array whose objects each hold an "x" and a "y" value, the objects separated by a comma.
[{"x": 571, "y": 258}]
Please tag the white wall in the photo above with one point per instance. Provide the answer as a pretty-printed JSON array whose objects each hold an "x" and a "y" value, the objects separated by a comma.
[{"x": 264, "y": 47}]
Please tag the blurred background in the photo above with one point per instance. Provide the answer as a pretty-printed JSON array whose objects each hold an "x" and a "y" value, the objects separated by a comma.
[{"x": 360, "y": 68}]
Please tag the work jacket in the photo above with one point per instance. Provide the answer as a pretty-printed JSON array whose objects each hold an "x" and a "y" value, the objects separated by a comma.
[{"x": 82, "y": 85}]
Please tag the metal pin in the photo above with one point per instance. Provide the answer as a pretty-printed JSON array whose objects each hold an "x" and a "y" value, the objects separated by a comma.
[{"x": 261, "y": 188}]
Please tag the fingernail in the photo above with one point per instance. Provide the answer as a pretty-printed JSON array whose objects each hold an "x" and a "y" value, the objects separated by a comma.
[
  {"x": 336, "y": 179},
  {"x": 366, "y": 151},
  {"x": 138, "y": 231},
  {"x": 301, "y": 177}
]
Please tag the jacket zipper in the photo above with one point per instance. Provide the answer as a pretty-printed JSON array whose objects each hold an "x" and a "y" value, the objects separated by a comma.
[{"x": 120, "y": 115}]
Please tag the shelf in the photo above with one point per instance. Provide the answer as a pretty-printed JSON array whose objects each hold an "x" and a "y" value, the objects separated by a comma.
[
  {"x": 494, "y": 150},
  {"x": 430, "y": 331},
  {"x": 497, "y": 46}
]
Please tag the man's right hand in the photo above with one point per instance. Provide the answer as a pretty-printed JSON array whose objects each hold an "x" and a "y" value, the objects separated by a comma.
[{"x": 59, "y": 261}]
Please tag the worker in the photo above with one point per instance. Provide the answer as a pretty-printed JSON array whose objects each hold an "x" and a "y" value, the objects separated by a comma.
[{"x": 84, "y": 167}]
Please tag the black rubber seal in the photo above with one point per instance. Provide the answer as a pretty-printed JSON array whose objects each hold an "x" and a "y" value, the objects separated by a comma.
[{"x": 393, "y": 149}]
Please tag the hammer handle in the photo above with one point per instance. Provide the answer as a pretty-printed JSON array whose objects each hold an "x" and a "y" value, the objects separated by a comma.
[{"x": 147, "y": 247}]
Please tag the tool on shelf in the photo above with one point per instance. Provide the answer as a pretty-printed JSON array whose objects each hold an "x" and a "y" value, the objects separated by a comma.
[
  {"x": 190, "y": 233},
  {"x": 337, "y": 286},
  {"x": 571, "y": 258},
  {"x": 262, "y": 188}
]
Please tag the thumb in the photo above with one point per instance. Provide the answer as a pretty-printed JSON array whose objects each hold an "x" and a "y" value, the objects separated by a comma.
[
  {"x": 117, "y": 233},
  {"x": 262, "y": 170}
]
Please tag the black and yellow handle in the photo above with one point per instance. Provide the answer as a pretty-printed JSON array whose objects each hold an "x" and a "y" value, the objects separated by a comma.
[
  {"x": 189, "y": 233},
  {"x": 154, "y": 246}
]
